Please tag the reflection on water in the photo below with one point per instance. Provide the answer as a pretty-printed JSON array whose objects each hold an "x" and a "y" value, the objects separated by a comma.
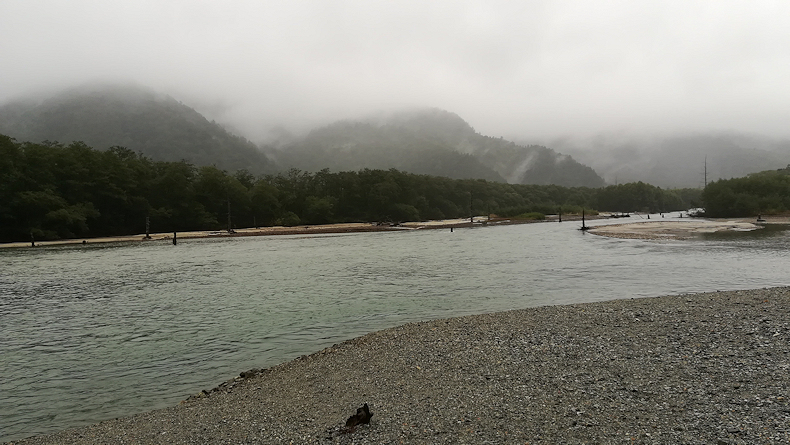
[{"x": 99, "y": 331}]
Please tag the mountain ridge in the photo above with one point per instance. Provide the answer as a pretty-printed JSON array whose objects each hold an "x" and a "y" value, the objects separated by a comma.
[
  {"x": 446, "y": 137},
  {"x": 679, "y": 160},
  {"x": 137, "y": 118},
  {"x": 424, "y": 141}
]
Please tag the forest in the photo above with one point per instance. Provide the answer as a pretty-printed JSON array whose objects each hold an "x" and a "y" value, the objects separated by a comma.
[
  {"x": 54, "y": 191},
  {"x": 765, "y": 192}
]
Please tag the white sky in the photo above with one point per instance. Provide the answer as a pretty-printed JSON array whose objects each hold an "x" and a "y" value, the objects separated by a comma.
[{"x": 518, "y": 69}]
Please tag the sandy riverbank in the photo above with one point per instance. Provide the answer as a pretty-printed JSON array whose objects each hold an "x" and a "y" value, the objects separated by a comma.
[
  {"x": 689, "y": 228},
  {"x": 692, "y": 369},
  {"x": 297, "y": 230},
  {"x": 265, "y": 231}
]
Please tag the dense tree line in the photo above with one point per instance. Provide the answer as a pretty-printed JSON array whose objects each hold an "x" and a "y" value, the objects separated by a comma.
[
  {"x": 55, "y": 191},
  {"x": 638, "y": 196},
  {"x": 766, "y": 192}
]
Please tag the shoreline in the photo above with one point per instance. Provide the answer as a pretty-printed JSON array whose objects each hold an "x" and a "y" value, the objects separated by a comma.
[
  {"x": 692, "y": 368},
  {"x": 683, "y": 229},
  {"x": 479, "y": 221},
  {"x": 647, "y": 230}
]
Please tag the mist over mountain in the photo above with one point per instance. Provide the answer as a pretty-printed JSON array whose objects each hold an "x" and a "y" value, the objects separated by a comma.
[
  {"x": 137, "y": 118},
  {"x": 431, "y": 141},
  {"x": 679, "y": 161},
  {"x": 425, "y": 141}
]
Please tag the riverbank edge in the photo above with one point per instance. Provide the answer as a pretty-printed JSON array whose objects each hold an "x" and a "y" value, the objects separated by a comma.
[
  {"x": 339, "y": 228},
  {"x": 684, "y": 229},
  {"x": 690, "y": 368}
]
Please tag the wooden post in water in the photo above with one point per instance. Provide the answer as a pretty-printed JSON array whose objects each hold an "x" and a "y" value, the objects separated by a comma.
[
  {"x": 175, "y": 238},
  {"x": 584, "y": 226},
  {"x": 471, "y": 215}
]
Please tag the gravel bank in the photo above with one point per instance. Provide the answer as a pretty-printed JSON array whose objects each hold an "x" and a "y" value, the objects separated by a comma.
[{"x": 708, "y": 368}]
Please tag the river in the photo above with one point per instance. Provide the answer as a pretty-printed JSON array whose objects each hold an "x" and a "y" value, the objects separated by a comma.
[{"x": 92, "y": 332}]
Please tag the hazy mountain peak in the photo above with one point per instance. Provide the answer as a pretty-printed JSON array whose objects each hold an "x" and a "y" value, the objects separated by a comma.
[
  {"x": 431, "y": 141},
  {"x": 682, "y": 160},
  {"x": 128, "y": 115},
  {"x": 421, "y": 140}
]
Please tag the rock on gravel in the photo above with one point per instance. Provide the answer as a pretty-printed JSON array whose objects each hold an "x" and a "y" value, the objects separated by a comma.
[{"x": 709, "y": 368}]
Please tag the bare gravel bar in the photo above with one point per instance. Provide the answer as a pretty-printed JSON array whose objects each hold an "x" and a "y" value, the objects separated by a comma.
[{"x": 711, "y": 368}]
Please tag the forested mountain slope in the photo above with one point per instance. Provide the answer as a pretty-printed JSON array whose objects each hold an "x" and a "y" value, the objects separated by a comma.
[
  {"x": 139, "y": 119},
  {"x": 425, "y": 141},
  {"x": 358, "y": 145},
  {"x": 436, "y": 142}
]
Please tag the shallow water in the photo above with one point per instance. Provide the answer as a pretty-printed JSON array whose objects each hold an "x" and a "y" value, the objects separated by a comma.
[{"x": 99, "y": 331}]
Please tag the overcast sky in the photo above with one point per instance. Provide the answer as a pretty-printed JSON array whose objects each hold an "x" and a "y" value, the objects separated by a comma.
[{"x": 518, "y": 69}]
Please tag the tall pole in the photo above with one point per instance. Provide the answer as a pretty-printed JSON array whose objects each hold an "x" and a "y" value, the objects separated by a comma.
[
  {"x": 230, "y": 227},
  {"x": 706, "y": 171}
]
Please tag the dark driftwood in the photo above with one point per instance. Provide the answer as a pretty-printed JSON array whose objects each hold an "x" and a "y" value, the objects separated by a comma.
[{"x": 362, "y": 416}]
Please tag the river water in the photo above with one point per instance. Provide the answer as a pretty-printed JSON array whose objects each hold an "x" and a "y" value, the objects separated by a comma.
[{"x": 93, "y": 332}]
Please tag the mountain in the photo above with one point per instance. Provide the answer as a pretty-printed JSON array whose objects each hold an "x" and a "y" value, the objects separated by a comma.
[
  {"x": 680, "y": 161},
  {"x": 156, "y": 125},
  {"x": 435, "y": 142},
  {"x": 426, "y": 141},
  {"x": 358, "y": 145}
]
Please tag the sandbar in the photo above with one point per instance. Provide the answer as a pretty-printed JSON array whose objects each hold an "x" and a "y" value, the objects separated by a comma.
[{"x": 690, "y": 228}]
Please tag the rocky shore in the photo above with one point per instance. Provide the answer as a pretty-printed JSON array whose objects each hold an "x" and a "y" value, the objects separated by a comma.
[{"x": 709, "y": 368}]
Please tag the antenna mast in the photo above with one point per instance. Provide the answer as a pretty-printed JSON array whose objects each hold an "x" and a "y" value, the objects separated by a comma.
[{"x": 706, "y": 171}]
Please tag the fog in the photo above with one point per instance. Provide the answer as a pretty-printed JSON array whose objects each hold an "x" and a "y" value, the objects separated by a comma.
[{"x": 532, "y": 71}]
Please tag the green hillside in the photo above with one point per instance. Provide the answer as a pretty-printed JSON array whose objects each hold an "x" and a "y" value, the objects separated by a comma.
[
  {"x": 346, "y": 146},
  {"x": 766, "y": 192},
  {"x": 156, "y": 125},
  {"x": 428, "y": 141},
  {"x": 435, "y": 142}
]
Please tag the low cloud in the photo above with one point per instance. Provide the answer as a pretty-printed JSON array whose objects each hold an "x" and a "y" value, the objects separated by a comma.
[{"x": 538, "y": 70}]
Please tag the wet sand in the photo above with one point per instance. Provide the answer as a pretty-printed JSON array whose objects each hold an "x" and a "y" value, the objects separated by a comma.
[
  {"x": 265, "y": 231},
  {"x": 691, "y": 227}
]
